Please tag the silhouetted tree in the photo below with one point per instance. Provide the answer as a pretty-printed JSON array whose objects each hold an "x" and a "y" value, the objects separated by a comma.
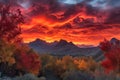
[{"x": 10, "y": 21}]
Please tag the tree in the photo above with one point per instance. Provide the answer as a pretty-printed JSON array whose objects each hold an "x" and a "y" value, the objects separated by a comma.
[
  {"x": 27, "y": 61},
  {"x": 81, "y": 63},
  {"x": 6, "y": 52},
  {"x": 7, "y": 60},
  {"x": 112, "y": 54},
  {"x": 60, "y": 65},
  {"x": 17, "y": 55},
  {"x": 10, "y": 21}
]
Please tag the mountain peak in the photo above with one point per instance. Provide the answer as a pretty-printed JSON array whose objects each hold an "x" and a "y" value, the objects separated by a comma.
[
  {"x": 63, "y": 41},
  {"x": 59, "y": 44},
  {"x": 60, "y": 48},
  {"x": 115, "y": 41},
  {"x": 38, "y": 41}
]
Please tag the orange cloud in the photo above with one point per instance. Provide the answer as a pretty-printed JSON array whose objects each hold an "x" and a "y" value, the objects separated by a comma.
[
  {"x": 44, "y": 21},
  {"x": 79, "y": 28},
  {"x": 77, "y": 36}
]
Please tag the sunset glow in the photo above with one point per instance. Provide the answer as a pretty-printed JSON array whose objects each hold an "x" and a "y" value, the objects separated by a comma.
[{"x": 78, "y": 23}]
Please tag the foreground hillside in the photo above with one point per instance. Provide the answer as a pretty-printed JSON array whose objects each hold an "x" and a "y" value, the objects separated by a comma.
[{"x": 22, "y": 63}]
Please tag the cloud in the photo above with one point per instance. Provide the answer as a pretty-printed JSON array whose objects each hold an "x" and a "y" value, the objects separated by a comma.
[
  {"x": 84, "y": 22},
  {"x": 114, "y": 16}
]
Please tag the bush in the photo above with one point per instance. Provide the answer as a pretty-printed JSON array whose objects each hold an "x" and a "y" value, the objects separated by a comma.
[
  {"x": 26, "y": 77},
  {"x": 7, "y": 59},
  {"x": 27, "y": 61},
  {"x": 77, "y": 75}
]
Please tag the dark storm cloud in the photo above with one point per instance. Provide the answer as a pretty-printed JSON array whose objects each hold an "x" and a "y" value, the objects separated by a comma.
[
  {"x": 114, "y": 16},
  {"x": 5, "y": 1},
  {"x": 53, "y": 9},
  {"x": 92, "y": 10},
  {"x": 114, "y": 3},
  {"x": 85, "y": 21},
  {"x": 50, "y": 8}
]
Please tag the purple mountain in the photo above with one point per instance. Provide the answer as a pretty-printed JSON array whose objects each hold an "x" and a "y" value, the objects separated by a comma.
[{"x": 62, "y": 47}]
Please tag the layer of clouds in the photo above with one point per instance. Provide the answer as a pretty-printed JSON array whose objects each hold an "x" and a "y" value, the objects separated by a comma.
[{"x": 57, "y": 19}]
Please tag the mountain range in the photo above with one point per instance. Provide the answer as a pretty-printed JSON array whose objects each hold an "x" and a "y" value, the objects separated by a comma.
[{"x": 62, "y": 48}]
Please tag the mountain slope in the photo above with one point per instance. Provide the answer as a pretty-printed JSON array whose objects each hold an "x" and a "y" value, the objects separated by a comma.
[{"x": 62, "y": 48}]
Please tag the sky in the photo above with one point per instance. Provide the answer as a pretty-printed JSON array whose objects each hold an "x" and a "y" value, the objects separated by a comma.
[{"x": 78, "y": 21}]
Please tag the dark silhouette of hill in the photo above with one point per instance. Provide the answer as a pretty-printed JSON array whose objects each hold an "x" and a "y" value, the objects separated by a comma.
[{"x": 62, "y": 47}]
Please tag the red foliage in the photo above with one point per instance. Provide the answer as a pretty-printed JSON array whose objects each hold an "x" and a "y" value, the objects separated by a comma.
[
  {"x": 108, "y": 65},
  {"x": 112, "y": 54},
  {"x": 28, "y": 62},
  {"x": 105, "y": 45},
  {"x": 9, "y": 22}
]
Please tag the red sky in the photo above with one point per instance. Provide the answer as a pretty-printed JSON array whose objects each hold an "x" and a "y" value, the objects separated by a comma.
[{"x": 83, "y": 22}]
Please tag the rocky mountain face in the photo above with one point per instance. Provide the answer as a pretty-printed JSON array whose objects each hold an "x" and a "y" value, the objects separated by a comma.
[{"x": 62, "y": 47}]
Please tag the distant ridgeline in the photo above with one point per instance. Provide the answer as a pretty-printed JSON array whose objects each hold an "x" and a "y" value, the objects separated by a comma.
[{"x": 62, "y": 48}]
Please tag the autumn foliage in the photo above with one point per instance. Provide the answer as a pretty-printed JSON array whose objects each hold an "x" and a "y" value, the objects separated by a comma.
[
  {"x": 28, "y": 61},
  {"x": 14, "y": 53},
  {"x": 85, "y": 63},
  {"x": 6, "y": 52},
  {"x": 112, "y": 55},
  {"x": 10, "y": 21},
  {"x": 23, "y": 58},
  {"x": 17, "y": 59}
]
